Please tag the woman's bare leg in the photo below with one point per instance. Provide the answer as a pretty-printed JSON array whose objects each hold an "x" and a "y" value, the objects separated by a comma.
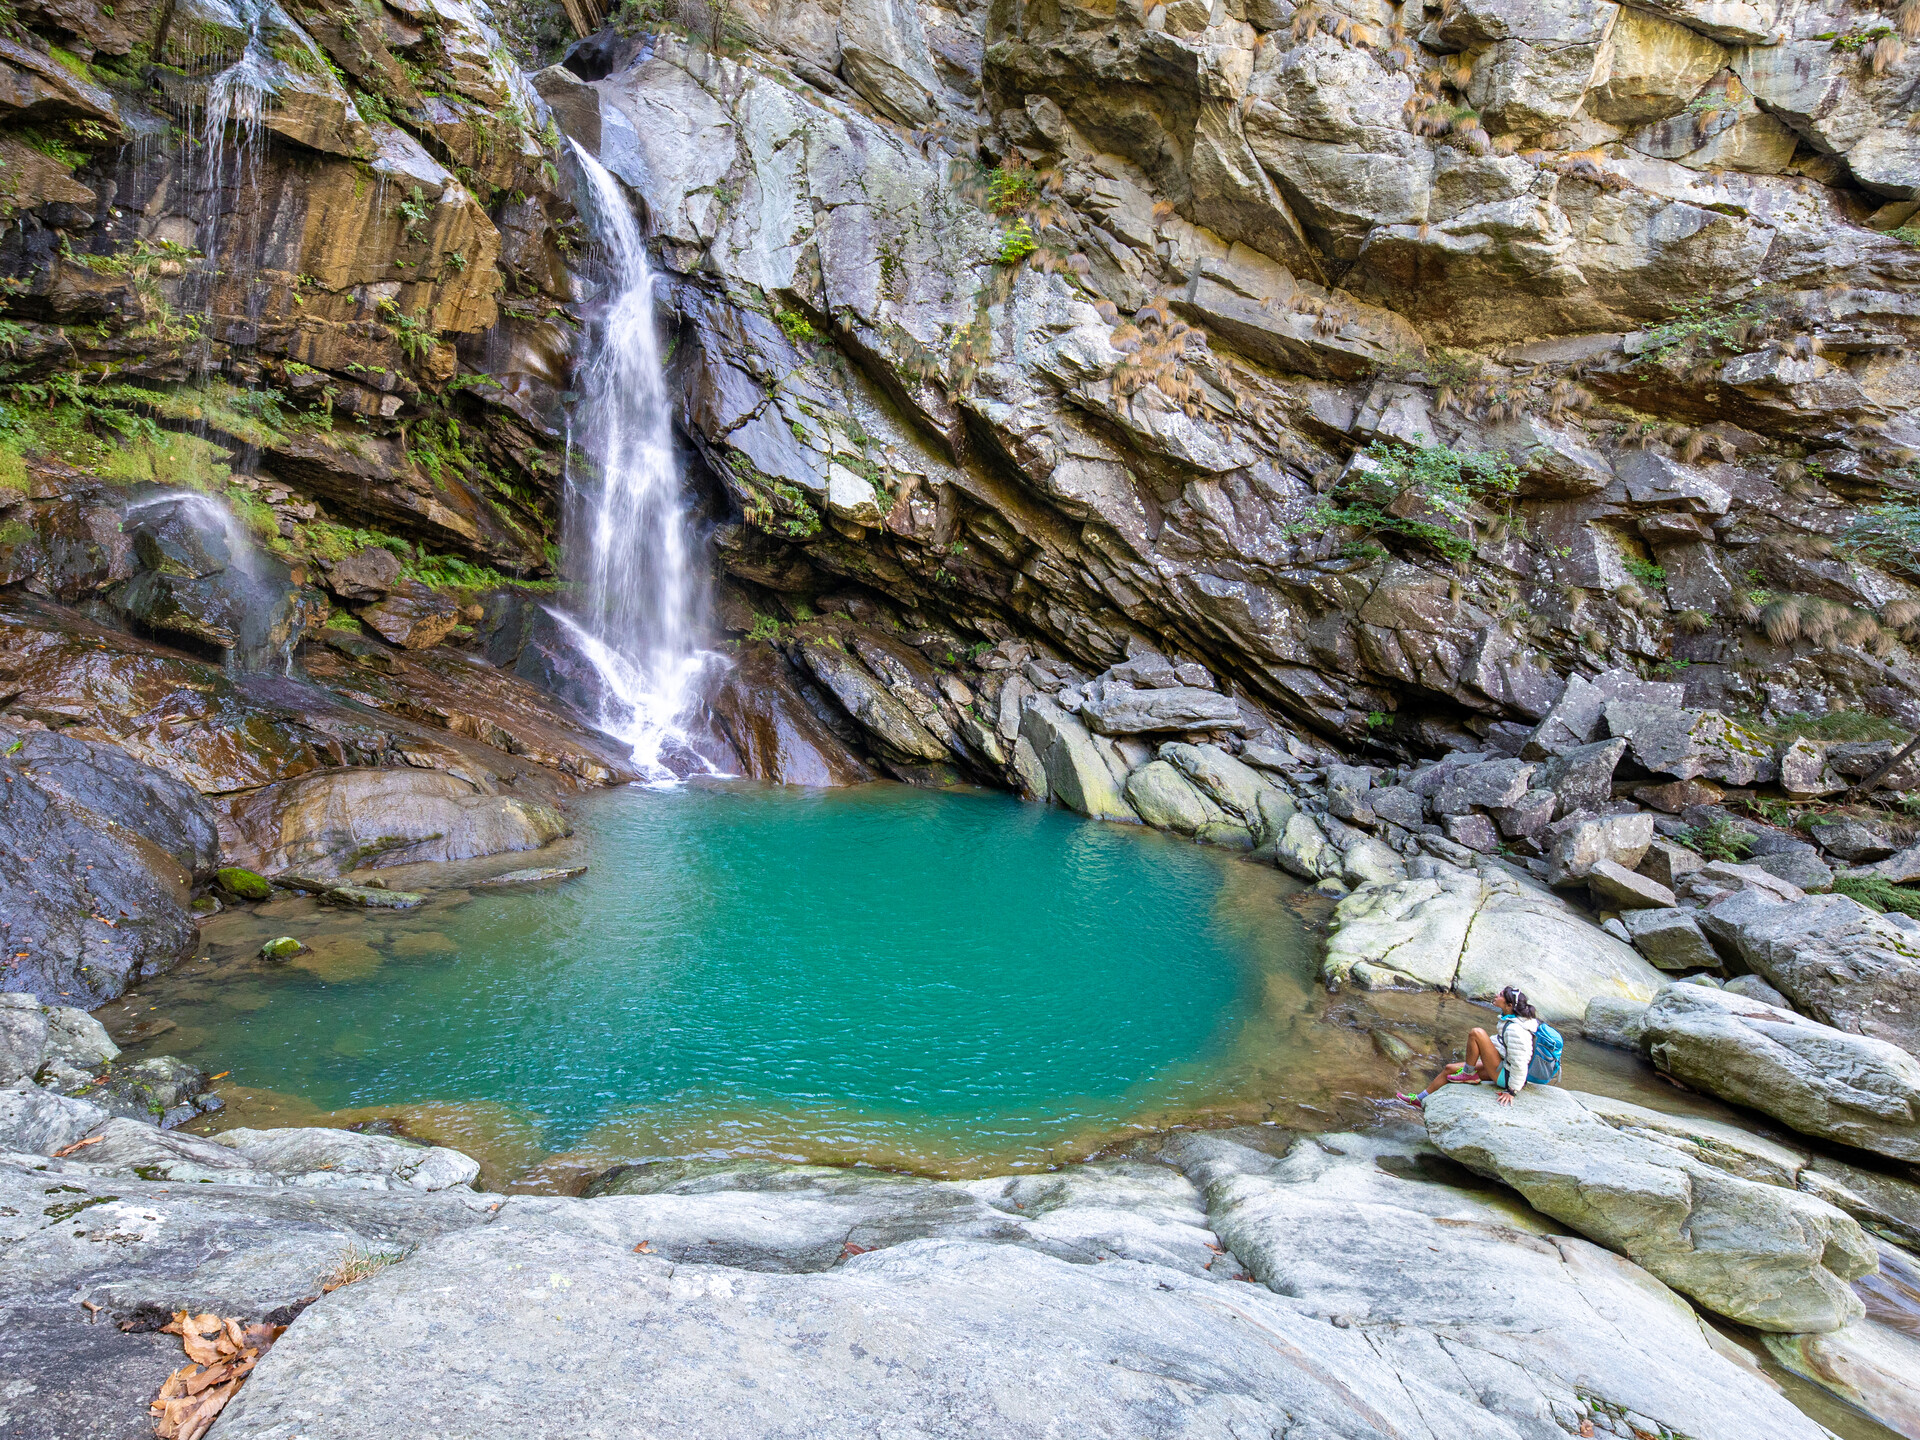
[{"x": 1482, "y": 1060}]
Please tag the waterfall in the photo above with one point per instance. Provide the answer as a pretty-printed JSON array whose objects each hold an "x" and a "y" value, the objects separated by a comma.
[{"x": 639, "y": 599}]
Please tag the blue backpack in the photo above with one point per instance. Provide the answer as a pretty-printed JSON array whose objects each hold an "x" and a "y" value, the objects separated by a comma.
[{"x": 1544, "y": 1068}]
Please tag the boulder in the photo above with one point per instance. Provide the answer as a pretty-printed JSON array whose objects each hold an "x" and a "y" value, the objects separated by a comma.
[
  {"x": 1488, "y": 785},
  {"x": 1803, "y": 773},
  {"x": 1347, "y": 787},
  {"x": 1853, "y": 842},
  {"x": 1528, "y": 816},
  {"x": 1678, "y": 795},
  {"x": 38, "y": 1122},
  {"x": 1616, "y": 887},
  {"x": 1872, "y": 1366},
  {"x": 373, "y": 897},
  {"x": 1077, "y": 775},
  {"x": 1901, "y": 868},
  {"x": 1762, "y": 1254},
  {"x": 1302, "y": 849},
  {"x": 1756, "y": 988},
  {"x": 364, "y": 575},
  {"x": 1582, "y": 778},
  {"x": 1686, "y": 744},
  {"x": 1666, "y": 863},
  {"x": 1671, "y": 939},
  {"x": 1797, "y": 863},
  {"x": 1728, "y": 875},
  {"x": 537, "y": 875},
  {"x": 242, "y": 884},
  {"x": 77, "y": 1040},
  {"x": 1113, "y": 709},
  {"x": 1451, "y": 929},
  {"x": 1835, "y": 959},
  {"x": 137, "y": 1150},
  {"x": 1396, "y": 804},
  {"x": 1582, "y": 844},
  {"x": 1354, "y": 1229},
  {"x": 153, "y": 1091},
  {"x": 1575, "y": 719},
  {"x": 1611, "y": 1020},
  {"x": 331, "y": 821},
  {"x": 411, "y": 616},
  {"x": 1236, "y": 787},
  {"x": 344, "y": 1159},
  {"x": 1167, "y": 800},
  {"x": 1473, "y": 830},
  {"x": 23, "y": 1037},
  {"x": 1820, "y": 1081}
]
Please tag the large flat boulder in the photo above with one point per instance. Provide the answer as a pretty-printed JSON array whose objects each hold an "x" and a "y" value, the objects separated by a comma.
[
  {"x": 1355, "y": 1230},
  {"x": 1835, "y": 959},
  {"x": 1849, "y": 1088},
  {"x": 1112, "y": 708},
  {"x": 332, "y": 821},
  {"x": 39, "y": 1122},
  {"x": 344, "y": 1159},
  {"x": 1690, "y": 744},
  {"x": 1765, "y": 1255},
  {"x": 1474, "y": 934}
]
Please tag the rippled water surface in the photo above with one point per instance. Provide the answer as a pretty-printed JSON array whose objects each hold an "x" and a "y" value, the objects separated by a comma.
[{"x": 939, "y": 980}]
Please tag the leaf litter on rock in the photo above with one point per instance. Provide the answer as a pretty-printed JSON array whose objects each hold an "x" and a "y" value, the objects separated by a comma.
[{"x": 221, "y": 1353}]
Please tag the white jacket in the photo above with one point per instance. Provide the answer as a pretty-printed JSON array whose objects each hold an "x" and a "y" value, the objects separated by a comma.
[{"x": 1513, "y": 1038}]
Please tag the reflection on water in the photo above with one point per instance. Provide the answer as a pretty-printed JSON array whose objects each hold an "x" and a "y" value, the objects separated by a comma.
[{"x": 953, "y": 984}]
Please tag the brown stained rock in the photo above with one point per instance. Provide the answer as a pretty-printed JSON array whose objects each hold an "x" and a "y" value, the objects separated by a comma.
[
  {"x": 1677, "y": 795},
  {"x": 412, "y": 616},
  {"x": 333, "y": 821},
  {"x": 179, "y": 715},
  {"x": 364, "y": 575},
  {"x": 495, "y": 707}
]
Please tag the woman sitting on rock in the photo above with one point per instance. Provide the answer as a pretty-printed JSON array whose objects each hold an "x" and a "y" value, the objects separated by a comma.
[{"x": 1509, "y": 1057}]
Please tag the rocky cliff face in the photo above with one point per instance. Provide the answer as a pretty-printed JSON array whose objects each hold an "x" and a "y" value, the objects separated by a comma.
[
  {"x": 1191, "y": 328},
  {"x": 1063, "y": 384}
]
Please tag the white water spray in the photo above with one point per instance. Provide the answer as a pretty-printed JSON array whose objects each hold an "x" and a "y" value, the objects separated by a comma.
[{"x": 641, "y": 601}]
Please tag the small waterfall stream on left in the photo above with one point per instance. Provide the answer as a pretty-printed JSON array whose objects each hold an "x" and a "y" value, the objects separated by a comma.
[{"x": 640, "y": 599}]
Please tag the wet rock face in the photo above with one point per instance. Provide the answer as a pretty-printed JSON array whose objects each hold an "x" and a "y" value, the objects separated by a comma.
[{"x": 91, "y": 902}]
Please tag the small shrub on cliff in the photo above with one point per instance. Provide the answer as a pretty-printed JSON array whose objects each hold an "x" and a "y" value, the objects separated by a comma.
[
  {"x": 796, "y": 326},
  {"x": 1887, "y": 535},
  {"x": 1421, "y": 493},
  {"x": 1718, "y": 839},
  {"x": 1016, "y": 244}
]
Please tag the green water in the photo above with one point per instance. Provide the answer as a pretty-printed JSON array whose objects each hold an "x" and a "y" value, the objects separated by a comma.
[{"x": 880, "y": 973}]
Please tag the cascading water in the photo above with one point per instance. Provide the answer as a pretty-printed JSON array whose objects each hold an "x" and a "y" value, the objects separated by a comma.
[{"x": 641, "y": 600}]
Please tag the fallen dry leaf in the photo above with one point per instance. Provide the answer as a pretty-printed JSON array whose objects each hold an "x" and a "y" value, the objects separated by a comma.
[
  {"x": 66, "y": 1150},
  {"x": 221, "y": 1354}
]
